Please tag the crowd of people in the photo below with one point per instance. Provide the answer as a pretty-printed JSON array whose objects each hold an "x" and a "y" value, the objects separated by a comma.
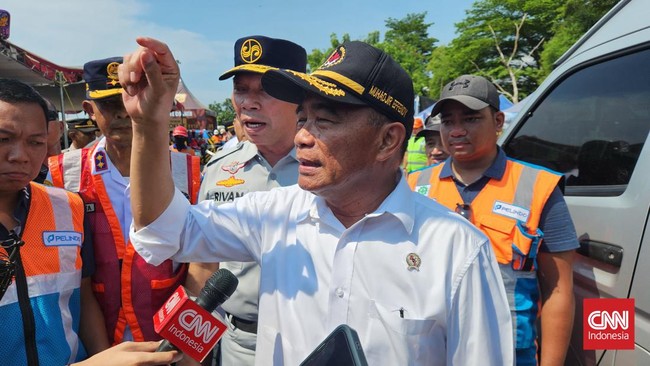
[{"x": 324, "y": 196}]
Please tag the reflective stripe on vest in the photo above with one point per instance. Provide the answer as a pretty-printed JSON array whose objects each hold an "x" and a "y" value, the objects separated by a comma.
[{"x": 52, "y": 260}]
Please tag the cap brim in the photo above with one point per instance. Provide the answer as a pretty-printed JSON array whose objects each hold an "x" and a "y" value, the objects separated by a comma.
[
  {"x": 429, "y": 130},
  {"x": 468, "y": 101},
  {"x": 99, "y": 94},
  {"x": 292, "y": 86},
  {"x": 86, "y": 129},
  {"x": 256, "y": 68}
]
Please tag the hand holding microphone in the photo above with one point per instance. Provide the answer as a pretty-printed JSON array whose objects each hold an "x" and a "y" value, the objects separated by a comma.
[{"x": 189, "y": 326}]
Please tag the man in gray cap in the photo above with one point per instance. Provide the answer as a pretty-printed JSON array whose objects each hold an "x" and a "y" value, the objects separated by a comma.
[
  {"x": 516, "y": 205},
  {"x": 433, "y": 147},
  {"x": 351, "y": 243},
  {"x": 265, "y": 161}
]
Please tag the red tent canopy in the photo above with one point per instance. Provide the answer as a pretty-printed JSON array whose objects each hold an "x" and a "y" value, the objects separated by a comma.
[{"x": 45, "y": 76}]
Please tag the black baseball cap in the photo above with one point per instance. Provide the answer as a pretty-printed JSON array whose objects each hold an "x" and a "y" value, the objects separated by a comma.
[
  {"x": 355, "y": 73},
  {"x": 259, "y": 53},
  {"x": 101, "y": 78},
  {"x": 475, "y": 92}
]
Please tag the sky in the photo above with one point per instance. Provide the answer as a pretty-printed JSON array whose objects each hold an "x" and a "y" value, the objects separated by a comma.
[{"x": 201, "y": 33}]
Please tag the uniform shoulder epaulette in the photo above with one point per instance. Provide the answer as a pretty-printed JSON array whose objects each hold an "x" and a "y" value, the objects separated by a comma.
[{"x": 222, "y": 153}]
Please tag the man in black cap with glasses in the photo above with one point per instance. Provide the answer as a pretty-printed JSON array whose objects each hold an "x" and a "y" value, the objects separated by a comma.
[
  {"x": 516, "y": 205},
  {"x": 351, "y": 243}
]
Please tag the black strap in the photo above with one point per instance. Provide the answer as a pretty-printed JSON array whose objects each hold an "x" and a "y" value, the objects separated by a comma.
[{"x": 27, "y": 312}]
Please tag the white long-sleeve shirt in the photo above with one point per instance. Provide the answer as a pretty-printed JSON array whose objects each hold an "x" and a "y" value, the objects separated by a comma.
[{"x": 417, "y": 282}]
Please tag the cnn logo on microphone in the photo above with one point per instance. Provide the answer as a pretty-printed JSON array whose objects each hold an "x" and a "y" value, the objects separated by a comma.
[
  {"x": 608, "y": 324},
  {"x": 187, "y": 325}
]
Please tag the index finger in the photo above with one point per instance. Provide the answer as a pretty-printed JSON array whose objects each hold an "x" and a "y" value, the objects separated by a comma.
[{"x": 163, "y": 54}]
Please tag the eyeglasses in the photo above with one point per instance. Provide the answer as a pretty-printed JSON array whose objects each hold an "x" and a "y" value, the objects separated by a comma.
[
  {"x": 464, "y": 210},
  {"x": 8, "y": 261}
]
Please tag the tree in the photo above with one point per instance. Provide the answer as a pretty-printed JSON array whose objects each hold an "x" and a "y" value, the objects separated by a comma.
[
  {"x": 406, "y": 40},
  {"x": 499, "y": 39},
  {"x": 224, "y": 110},
  {"x": 577, "y": 17}
]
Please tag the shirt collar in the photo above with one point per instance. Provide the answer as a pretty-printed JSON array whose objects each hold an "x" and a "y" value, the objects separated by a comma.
[
  {"x": 494, "y": 171},
  {"x": 20, "y": 212},
  {"x": 398, "y": 203}
]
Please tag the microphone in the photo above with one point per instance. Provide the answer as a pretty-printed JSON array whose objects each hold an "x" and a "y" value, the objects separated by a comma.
[{"x": 189, "y": 326}]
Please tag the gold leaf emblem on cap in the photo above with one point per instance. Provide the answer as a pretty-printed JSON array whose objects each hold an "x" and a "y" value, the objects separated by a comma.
[
  {"x": 251, "y": 51},
  {"x": 320, "y": 84},
  {"x": 413, "y": 261},
  {"x": 335, "y": 58}
]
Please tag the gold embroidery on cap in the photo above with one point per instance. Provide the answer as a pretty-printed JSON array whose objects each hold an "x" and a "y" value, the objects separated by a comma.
[
  {"x": 255, "y": 68},
  {"x": 335, "y": 58},
  {"x": 322, "y": 85},
  {"x": 111, "y": 73},
  {"x": 251, "y": 51}
]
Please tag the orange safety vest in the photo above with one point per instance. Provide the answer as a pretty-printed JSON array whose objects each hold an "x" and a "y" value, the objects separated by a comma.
[
  {"x": 51, "y": 257},
  {"x": 128, "y": 289},
  {"x": 507, "y": 210}
]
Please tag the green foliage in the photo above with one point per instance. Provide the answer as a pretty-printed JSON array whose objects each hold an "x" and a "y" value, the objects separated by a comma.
[
  {"x": 406, "y": 40},
  {"x": 578, "y": 17},
  {"x": 224, "y": 110}
]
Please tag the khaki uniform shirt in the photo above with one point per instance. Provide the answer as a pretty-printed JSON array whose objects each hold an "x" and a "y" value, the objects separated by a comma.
[{"x": 230, "y": 174}]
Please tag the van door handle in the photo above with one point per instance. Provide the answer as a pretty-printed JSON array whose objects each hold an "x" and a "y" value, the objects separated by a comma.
[{"x": 603, "y": 252}]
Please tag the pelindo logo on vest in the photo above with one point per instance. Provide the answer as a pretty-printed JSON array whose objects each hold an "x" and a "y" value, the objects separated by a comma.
[{"x": 62, "y": 238}]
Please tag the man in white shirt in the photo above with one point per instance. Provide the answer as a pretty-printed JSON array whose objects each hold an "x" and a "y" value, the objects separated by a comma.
[{"x": 350, "y": 243}]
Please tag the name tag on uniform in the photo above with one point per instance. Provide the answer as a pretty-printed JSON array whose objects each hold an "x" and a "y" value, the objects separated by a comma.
[
  {"x": 221, "y": 196},
  {"x": 62, "y": 238},
  {"x": 511, "y": 211}
]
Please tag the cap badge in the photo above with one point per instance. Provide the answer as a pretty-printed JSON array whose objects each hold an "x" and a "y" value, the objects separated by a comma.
[
  {"x": 251, "y": 51},
  {"x": 111, "y": 73},
  {"x": 413, "y": 261},
  {"x": 464, "y": 84},
  {"x": 335, "y": 58},
  {"x": 100, "y": 161},
  {"x": 320, "y": 84}
]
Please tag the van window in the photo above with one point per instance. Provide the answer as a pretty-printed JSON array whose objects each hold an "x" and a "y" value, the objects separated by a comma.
[{"x": 591, "y": 126}]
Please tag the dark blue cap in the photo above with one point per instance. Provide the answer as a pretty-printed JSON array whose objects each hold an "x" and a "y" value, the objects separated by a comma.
[
  {"x": 259, "y": 54},
  {"x": 101, "y": 78}
]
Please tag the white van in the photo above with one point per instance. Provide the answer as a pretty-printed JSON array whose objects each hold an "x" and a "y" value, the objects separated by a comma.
[{"x": 590, "y": 120}]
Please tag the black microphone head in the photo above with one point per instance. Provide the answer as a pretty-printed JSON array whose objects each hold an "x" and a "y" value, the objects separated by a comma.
[{"x": 217, "y": 289}]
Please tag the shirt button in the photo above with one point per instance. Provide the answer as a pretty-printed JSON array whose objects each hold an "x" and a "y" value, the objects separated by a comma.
[
  {"x": 339, "y": 292},
  {"x": 272, "y": 176}
]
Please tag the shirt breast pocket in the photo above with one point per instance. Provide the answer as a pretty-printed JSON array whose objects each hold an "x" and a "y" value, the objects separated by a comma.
[{"x": 405, "y": 338}]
